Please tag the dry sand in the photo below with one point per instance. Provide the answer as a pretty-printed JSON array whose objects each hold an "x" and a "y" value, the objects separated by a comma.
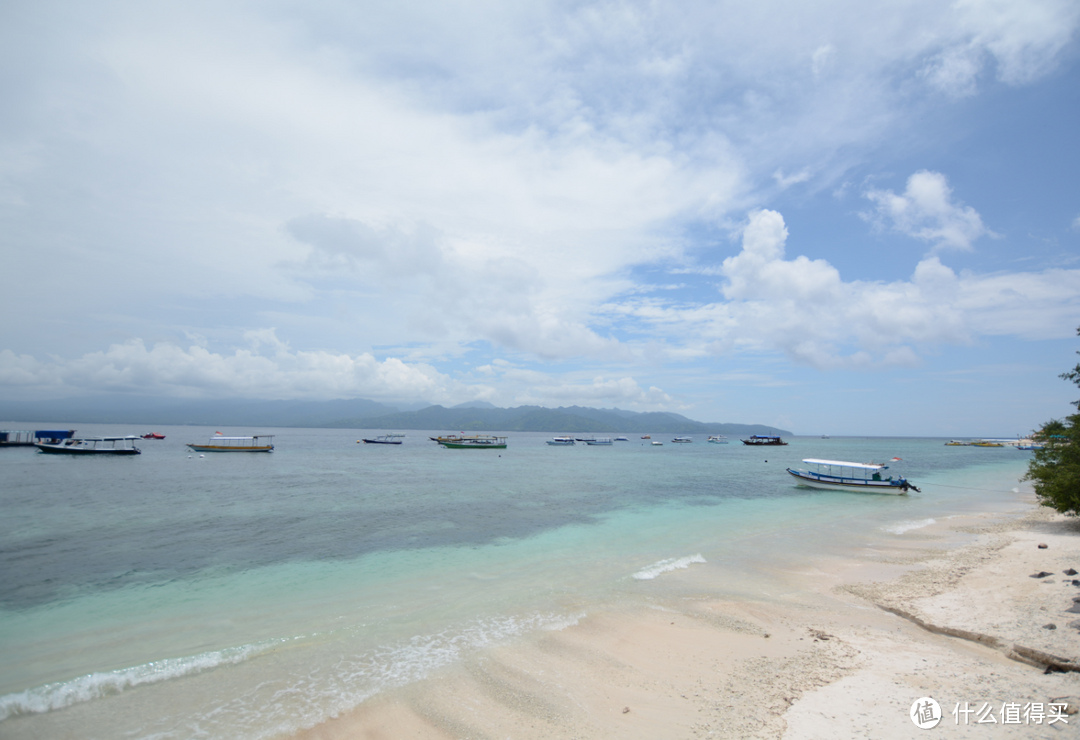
[{"x": 842, "y": 650}]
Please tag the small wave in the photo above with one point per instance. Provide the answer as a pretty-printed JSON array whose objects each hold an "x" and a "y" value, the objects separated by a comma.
[
  {"x": 901, "y": 527},
  {"x": 63, "y": 694},
  {"x": 665, "y": 566}
]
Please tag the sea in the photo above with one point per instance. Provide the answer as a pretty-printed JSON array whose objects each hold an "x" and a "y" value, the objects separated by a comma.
[{"x": 175, "y": 595}]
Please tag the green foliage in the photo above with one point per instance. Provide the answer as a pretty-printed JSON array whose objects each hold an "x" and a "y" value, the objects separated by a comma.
[{"x": 1055, "y": 469}]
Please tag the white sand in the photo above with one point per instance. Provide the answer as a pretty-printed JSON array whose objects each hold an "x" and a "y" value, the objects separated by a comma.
[{"x": 829, "y": 663}]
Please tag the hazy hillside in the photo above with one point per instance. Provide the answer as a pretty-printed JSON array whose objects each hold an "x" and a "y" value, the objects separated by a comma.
[{"x": 359, "y": 413}]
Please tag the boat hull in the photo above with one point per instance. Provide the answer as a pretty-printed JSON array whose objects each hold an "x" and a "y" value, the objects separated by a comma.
[
  {"x": 72, "y": 450},
  {"x": 233, "y": 448},
  {"x": 834, "y": 483},
  {"x": 474, "y": 446}
]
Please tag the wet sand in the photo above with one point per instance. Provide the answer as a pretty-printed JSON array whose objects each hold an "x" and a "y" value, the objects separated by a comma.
[{"x": 838, "y": 648}]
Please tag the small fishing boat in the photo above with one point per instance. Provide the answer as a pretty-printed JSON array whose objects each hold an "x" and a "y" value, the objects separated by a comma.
[
  {"x": 602, "y": 441},
  {"x": 657, "y": 443},
  {"x": 837, "y": 475},
  {"x": 561, "y": 441},
  {"x": 153, "y": 435},
  {"x": 385, "y": 439},
  {"x": 474, "y": 442},
  {"x": 719, "y": 439},
  {"x": 621, "y": 439},
  {"x": 91, "y": 446},
  {"x": 763, "y": 440},
  {"x": 682, "y": 440},
  {"x": 646, "y": 436},
  {"x": 221, "y": 443}
]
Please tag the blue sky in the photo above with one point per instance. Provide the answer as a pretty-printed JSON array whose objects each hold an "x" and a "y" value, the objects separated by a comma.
[{"x": 829, "y": 217}]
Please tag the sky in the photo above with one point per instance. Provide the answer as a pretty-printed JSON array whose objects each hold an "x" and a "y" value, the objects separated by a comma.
[{"x": 832, "y": 217}]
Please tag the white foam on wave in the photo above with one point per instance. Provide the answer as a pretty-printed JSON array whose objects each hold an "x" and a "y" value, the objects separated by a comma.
[
  {"x": 901, "y": 527},
  {"x": 650, "y": 572},
  {"x": 92, "y": 686}
]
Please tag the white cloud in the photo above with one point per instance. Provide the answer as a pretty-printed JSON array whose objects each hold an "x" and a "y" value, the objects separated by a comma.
[
  {"x": 925, "y": 211},
  {"x": 805, "y": 309}
]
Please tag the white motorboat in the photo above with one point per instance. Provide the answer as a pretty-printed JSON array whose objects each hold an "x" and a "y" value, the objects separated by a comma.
[
  {"x": 837, "y": 475},
  {"x": 561, "y": 441}
]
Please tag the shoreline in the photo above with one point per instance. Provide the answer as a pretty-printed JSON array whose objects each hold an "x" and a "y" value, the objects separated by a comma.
[{"x": 830, "y": 661}]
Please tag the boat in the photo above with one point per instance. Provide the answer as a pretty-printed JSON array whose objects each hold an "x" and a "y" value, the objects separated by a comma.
[
  {"x": 957, "y": 443},
  {"x": 474, "y": 442},
  {"x": 385, "y": 439},
  {"x": 646, "y": 436},
  {"x": 838, "y": 475},
  {"x": 657, "y": 443},
  {"x": 717, "y": 439},
  {"x": 621, "y": 439},
  {"x": 153, "y": 435},
  {"x": 584, "y": 439},
  {"x": 682, "y": 440},
  {"x": 91, "y": 446},
  {"x": 763, "y": 440},
  {"x": 16, "y": 438},
  {"x": 602, "y": 441},
  {"x": 561, "y": 441},
  {"x": 221, "y": 443}
]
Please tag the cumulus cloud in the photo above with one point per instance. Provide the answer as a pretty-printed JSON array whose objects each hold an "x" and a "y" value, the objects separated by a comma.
[
  {"x": 269, "y": 369},
  {"x": 927, "y": 212},
  {"x": 805, "y": 309}
]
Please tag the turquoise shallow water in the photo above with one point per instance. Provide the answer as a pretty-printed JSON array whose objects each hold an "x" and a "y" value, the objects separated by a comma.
[{"x": 170, "y": 595}]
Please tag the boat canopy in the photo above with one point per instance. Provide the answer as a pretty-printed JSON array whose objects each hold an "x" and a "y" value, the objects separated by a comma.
[
  {"x": 219, "y": 438},
  {"x": 861, "y": 466}
]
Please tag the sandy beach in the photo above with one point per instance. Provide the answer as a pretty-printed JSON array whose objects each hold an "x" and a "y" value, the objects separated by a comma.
[{"x": 841, "y": 648}]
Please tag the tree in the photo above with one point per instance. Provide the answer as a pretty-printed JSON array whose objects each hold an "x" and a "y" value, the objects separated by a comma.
[{"x": 1055, "y": 468}]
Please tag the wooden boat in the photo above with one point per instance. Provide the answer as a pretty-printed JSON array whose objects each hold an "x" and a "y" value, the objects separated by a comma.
[
  {"x": 385, "y": 439},
  {"x": 474, "y": 442},
  {"x": 837, "y": 475},
  {"x": 763, "y": 440},
  {"x": 220, "y": 443},
  {"x": 91, "y": 446}
]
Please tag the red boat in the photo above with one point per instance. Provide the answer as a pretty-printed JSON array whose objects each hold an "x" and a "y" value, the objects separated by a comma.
[{"x": 153, "y": 435}]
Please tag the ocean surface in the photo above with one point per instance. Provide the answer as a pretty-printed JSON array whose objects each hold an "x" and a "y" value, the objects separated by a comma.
[{"x": 175, "y": 595}]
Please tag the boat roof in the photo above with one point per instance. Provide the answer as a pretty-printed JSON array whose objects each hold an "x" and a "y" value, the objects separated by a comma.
[
  {"x": 863, "y": 466},
  {"x": 105, "y": 439},
  {"x": 218, "y": 437}
]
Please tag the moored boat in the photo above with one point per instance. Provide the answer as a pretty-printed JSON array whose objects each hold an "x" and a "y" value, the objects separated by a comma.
[
  {"x": 153, "y": 435},
  {"x": 717, "y": 439},
  {"x": 763, "y": 440},
  {"x": 561, "y": 441},
  {"x": 16, "y": 438},
  {"x": 837, "y": 475},
  {"x": 621, "y": 439},
  {"x": 474, "y": 442},
  {"x": 682, "y": 440},
  {"x": 91, "y": 446},
  {"x": 385, "y": 439},
  {"x": 221, "y": 443},
  {"x": 602, "y": 441}
]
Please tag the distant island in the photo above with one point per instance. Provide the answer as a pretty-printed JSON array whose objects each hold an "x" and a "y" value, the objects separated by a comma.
[{"x": 359, "y": 413}]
